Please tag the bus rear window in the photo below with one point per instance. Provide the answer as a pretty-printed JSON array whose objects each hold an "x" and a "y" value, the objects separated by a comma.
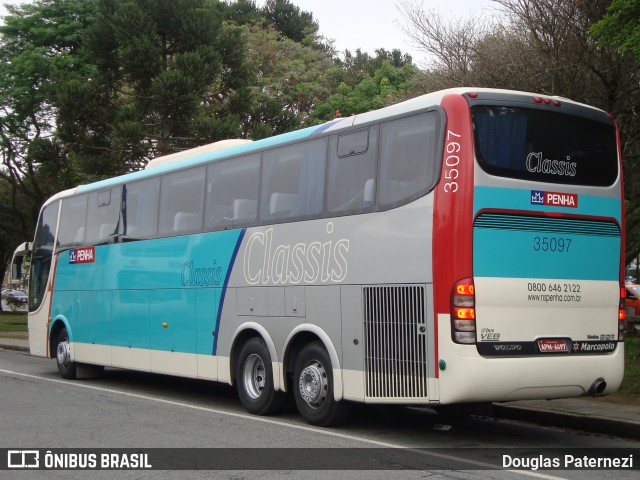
[{"x": 544, "y": 146}]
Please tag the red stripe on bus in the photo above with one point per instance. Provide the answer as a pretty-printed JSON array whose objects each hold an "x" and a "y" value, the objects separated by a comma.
[{"x": 453, "y": 208}]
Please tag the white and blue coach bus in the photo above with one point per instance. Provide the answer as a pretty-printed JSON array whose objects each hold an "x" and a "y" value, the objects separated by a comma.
[{"x": 462, "y": 246}]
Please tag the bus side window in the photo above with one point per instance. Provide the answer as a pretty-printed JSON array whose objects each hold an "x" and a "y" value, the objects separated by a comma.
[
  {"x": 232, "y": 193},
  {"x": 102, "y": 216},
  {"x": 408, "y": 158},
  {"x": 352, "y": 172},
  {"x": 181, "y": 202},
  {"x": 293, "y": 181},
  {"x": 141, "y": 209},
  {"x": 72, "y": 222}
]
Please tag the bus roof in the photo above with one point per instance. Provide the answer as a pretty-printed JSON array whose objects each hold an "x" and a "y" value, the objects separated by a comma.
[{"x": 218, "y": 150}]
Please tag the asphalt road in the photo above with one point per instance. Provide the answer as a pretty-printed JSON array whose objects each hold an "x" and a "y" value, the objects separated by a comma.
[{"x": 126, "y": 409}]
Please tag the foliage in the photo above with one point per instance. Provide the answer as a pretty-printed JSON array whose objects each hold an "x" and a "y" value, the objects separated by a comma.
[
  {"x": 37, "y": 43},
  {"x": 383, "y": 87},
  {"x": 163, "y": 69},
  {"x": 630, "y": 387},
  {"x": 620, "y": 27},
  {"x": 290, "y": 79}
]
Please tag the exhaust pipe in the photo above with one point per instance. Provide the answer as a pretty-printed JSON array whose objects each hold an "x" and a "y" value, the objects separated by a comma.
[{"x": 597, "y": 387}]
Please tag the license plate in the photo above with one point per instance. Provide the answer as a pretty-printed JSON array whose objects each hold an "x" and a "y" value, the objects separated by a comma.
[{"x": 549, "y": 345}]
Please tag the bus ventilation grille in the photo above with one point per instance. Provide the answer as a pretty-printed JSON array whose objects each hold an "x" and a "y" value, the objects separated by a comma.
[
  {"x": 395, "y": 342},
  {"x": 547, "y": 224}
]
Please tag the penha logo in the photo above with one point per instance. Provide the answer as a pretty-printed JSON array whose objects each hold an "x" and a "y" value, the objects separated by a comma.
[
  {"x": 82, "y": 255},
  {"x": 554, "y": 199}
]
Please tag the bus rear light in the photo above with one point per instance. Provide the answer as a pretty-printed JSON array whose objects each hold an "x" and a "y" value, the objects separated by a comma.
[
  {"x": 464, "y": 337},
  {"x": 463, "y": 312},
  {"x": 464, "y": 325}
]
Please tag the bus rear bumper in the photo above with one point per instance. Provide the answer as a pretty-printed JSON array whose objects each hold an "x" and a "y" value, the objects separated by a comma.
[{"x": 470, "y": 377}]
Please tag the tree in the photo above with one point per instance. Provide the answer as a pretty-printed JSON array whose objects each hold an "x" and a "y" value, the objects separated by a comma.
[
  {"x": 167, "y": 74},
  {"x": 13, "y": 230},
  {"x": 290, "y": 79},
  {"x": 384, "y": 86},
  {"x": 290, "y": 20},
  {"x": 620, "y": 27},
  {"x": 38, "y": 41}
]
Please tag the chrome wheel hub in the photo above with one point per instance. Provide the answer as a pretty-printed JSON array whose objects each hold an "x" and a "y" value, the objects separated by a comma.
[
  {"x": 313, "y": 384},
  {"x": 253, "y": 377},
  {"x": 63, "y": 353}
]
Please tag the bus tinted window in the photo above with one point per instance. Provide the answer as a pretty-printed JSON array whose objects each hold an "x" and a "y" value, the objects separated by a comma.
[
  {"x": 351, "y": 181},
  {"x": 73, "y": 222},
  {"x": 408, "y": 166},
  {"x": 141, "y": 212},
  {"x": 181, "y": 202},
  {"x": 103, "y": 215},
  {"x": 41, "y": 257},
  {"x": 293, "y": 181},
  {"x": 232, "y": 193},
  {"x": 544, "y": 146}
]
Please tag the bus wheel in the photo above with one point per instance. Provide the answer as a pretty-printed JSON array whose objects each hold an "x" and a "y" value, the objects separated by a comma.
[
  {"x": 66, "y": 367},
  {"x": 254, "y": 379},
  {"x": 313, "y": 388}
]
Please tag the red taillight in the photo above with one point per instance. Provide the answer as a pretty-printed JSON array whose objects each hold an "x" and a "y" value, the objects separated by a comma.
[
  {"x": 463, "y": 311},
  {"x": 622, "y": 313}
]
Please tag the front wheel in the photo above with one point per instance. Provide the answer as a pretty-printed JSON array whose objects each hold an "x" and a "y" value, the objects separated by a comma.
[
  {"x": 254, "y": 379},
  {"x": 66, "y": 367},
  {"x": 313, "y": 388}
]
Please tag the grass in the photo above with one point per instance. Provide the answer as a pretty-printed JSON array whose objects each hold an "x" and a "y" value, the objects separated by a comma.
[
  {"x": 13, "y": 322},
  {"x": 630, "y": 388}
]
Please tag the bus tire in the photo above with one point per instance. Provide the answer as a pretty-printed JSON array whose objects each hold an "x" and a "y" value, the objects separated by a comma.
[
  {"x": 254, "y": 380},
  {"x": 313, "y": 388},
  {"x": 66, "y": 366}
]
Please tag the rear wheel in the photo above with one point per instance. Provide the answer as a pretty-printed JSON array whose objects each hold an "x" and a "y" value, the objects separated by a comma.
[
  {"x": 254, "y": 380},
  {"x": 313, "y": 388},
  {"x": 66, "y": 367}
]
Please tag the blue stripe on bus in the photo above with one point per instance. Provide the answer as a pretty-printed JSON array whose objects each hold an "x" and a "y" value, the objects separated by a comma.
[
  {"x": 132, "y": 290},
  {"x": 521, "y": 246},
  {"x": 224, "y": 291},
  {"x": 520, "y": 199},
  {"x": 536, "y": 254},
  {"x": 245, "y": 148}
]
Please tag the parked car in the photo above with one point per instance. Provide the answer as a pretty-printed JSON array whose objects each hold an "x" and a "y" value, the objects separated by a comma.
[
  {"x": 633, "y": 297},
  {"x": 17, "y": 295}
]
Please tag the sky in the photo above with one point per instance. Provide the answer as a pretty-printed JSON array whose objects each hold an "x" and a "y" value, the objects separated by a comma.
[{"x": 370, "y": 24}]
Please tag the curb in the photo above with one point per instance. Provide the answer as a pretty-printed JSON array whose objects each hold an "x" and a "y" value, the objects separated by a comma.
[
  {"x": 606, "y": 426},
  {"x": 18, "y": 348}
]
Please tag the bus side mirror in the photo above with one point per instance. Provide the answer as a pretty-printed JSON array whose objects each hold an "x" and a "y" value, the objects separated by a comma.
[
  {"x": 16, "y": 268},
  {"x": 18, "y": 257}
]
